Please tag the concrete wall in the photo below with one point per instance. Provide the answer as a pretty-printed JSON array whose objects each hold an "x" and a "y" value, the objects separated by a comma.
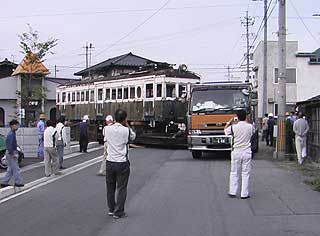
[
  {"x": 27, "y": 139},
  {"x": 8, "y": 87},
  {"x": 308, "y": 77},
  {"x": 272, "y": 61},
  {"x": 9, "y": 110}
]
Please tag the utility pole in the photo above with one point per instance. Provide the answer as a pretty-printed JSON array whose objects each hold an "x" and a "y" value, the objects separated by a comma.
[
  {"x": 229, "y": 76},
  {"x": 281, "y": 139},
  {"x": 264, "y": 104},
  {"x": 247, "y": 22},
  {"x": 55, "y": 71},
  {"x": 90, "y": 53},
  {"x": 87, "y": 55}
]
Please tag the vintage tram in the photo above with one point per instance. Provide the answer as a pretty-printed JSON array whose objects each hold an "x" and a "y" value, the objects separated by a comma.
[{"x": 155, "y": 100}]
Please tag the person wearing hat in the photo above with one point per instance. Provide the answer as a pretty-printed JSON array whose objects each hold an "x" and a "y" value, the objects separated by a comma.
[
  {"x": 40, "y": 129},
  {"x": 271, "y": 123},
  {"x": 84, "y": 137},
  {"x": 102, "y": 170}
]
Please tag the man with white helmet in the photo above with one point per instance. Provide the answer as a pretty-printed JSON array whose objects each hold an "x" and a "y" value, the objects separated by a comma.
[
  {"x": 84, "y": 137},
  {"x": 102, "y": 170}
]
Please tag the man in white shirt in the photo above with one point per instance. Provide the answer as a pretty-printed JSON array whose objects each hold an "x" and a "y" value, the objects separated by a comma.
[
  {"x": 102, "y": 170},
  {"x": 241, "y": 132},
  {"x": 118, "y": 136},
  {"x": 50, "y": 152},
  {"x": 62, "y": 140},
  {"x": 301, "y": 128}
]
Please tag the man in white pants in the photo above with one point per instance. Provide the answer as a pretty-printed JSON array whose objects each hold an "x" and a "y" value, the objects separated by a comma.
[
  {"x": 301, "y": 128},
  {"x": 102, "y": 170},
  {"x": 242, "y": 132}
]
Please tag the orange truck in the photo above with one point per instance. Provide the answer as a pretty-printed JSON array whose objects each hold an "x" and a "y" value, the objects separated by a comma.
[{"x": 211, "y": 106}]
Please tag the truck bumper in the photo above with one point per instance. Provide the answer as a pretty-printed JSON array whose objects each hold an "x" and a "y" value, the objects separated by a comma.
[{"x": 209, "y": 143}]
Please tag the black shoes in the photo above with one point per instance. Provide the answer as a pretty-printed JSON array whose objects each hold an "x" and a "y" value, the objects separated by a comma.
[
  {"x": 61, "y": 167},
  {"x": 124, "y": 215},
  {"x": 231, "y": 195},
  {"x": 4, "y": 185},
  {"x": 19, "y": 185},
  {"x": 245, "y": 197}
]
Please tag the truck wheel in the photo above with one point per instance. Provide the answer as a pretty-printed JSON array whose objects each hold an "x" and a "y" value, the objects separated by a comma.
[
  {"x": 196, "y": 154},
  {"x": 3, "y": 161}
]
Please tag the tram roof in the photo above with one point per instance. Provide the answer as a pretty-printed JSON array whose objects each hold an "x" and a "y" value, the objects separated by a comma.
[
  {"x": 168, "y": 73},
  {"x": 127, "y": 60}
]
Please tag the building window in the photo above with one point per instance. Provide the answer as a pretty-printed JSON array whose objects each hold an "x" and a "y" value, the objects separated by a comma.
[
  {"x": 132, "y": 92},
  {"x": 149, "y": 91},
  {"x": 99, "y": 108},
  {"x": 63, "y": 97},
  {"x": 92, "y": 96},
  {"x": 113, "y": 94},
  {"x": 291, "y": 76},
  {"x": 125, "y": 93},
  {"x": 82, "y": 96},
  {"x": 182, "y": 90},
  {"x": 100, "y": 93},
  {"x": 107, "y": 94},
  {"x": 87, "y": 95},
  {"x": 275, "y": 109},
  {"x": 69, "y": 97},
  {"x": 73, "y": 97},
  {"x": 170, "y": 90},
  {"x": 159, "y": 90},
  {"x": 119, "y": 93},
  {"x": 78, "y": 96},
  {"x": 139, "y": 92}
]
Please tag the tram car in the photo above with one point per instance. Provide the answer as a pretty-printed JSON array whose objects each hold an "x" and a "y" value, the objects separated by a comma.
[{"x": 155, "y": 101}]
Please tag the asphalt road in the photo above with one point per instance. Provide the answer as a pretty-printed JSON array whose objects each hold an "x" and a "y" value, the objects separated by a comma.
[{"x": 169, "y": 194}]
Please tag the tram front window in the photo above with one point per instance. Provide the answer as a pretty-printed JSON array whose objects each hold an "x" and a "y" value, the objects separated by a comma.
[
  {"x": 159, "y": 90},
  {"x": 149, "y": 91},
  {"x": 170, "y": 90}
]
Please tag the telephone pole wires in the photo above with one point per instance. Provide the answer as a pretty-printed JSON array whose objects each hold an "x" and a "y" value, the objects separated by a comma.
[{"x": 281, "y": 139}]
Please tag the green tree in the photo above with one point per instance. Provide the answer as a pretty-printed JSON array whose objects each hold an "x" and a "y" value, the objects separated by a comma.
[{"x": 32, "y": 90}]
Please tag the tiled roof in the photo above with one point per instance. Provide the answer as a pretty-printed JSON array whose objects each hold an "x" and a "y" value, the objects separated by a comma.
[
  {"x": 31, "y": 65},
  {"x": 128, "y": 59},
  {"x": 315, "y": 99},
  {"x": 8, "y": 63}
]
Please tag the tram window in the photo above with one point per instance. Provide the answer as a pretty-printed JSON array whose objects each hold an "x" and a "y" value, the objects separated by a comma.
[
  {"x": 125, "y": 93},
  {"x": 119, "y": 93},
  {"x": 73, "y": 97},
  {"x": 107, "y": 94},
  {"x": 63, "y": 97},
  {"x": 58, "y": 97},
  {"x": 149, "y": 91},
  {"x": 139, "y": 92},
  {"x": 87, "y": 96},
  {"x": 182, "y": 90},
  {"x": 92, "y": 96},
  {"x": 82, "y": 96},
  {"x": 132, "y": 92},
  {"x": 78, "y": 96},
  {"x": 170, "y": 90},
  {"x": 159, "y": 90},
  {"x": 69, "y": 96},
  {"x": 100, "y": 93},
  {"x": 113, "y": 94}
]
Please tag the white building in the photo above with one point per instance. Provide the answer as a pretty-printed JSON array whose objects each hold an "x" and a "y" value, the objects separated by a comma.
[{"x": 303, "y": 71}]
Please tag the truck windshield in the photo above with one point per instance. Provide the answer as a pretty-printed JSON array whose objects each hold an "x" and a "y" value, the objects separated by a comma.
[{"x": 218, "y": 100}]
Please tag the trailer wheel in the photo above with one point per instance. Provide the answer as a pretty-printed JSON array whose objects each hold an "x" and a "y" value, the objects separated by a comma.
[{"x": 196, "y": 154}]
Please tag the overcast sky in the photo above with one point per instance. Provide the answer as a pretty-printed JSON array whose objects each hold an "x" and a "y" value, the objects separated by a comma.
[{"x": 206, "y": 35}]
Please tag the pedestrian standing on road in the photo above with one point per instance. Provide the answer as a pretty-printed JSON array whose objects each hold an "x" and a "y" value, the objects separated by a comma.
[
  {"x": 102, "y": 170},
  {"x": 118, "y": 136},
  {"x": 289, "y": 134},
  {"x": 40, "y": 129},
  {"x": 51, "y": 165},
  {"x": 241, "y": 153},
  {"x": 264, "y": 127},
  {"x": 271, "y": 123},
  {"x": 62, "y": 140},
  {"x": 84, "y": 137},
  {"x": 301, "y": 128},
  {"x": 12, "y": 156}
]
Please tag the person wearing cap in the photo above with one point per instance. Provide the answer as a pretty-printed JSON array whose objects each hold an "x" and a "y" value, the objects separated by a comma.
[
  {"x": 84, "y": 137},
  {"x": 271, "y": 124},
  {"x": 301, "y": 128},
  {"x": 40, "y": 129},
  {"x": 102, "y": 170}
]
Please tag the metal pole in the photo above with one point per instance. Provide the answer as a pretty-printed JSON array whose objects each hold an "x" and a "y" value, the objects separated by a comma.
[
  {"x": 281, "y": 140},
  {"x": 248, "y": 48},
  {"x": 265, "y": 63}
]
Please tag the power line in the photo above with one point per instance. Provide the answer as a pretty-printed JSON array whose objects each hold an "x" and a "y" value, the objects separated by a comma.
[
  {"x": 123, "y": 11},
  {"x": 309, "y": 31}
]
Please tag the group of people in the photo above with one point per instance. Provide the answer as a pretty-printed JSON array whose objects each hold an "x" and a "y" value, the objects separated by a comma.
[{"x": 268, "y": 124}]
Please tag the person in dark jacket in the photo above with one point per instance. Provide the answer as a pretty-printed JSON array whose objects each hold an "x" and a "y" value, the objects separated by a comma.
[
  {"x": 271, "y": 124},
  {"x": 13, "y": 169},
  {"x": 84, "y": 137}
]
